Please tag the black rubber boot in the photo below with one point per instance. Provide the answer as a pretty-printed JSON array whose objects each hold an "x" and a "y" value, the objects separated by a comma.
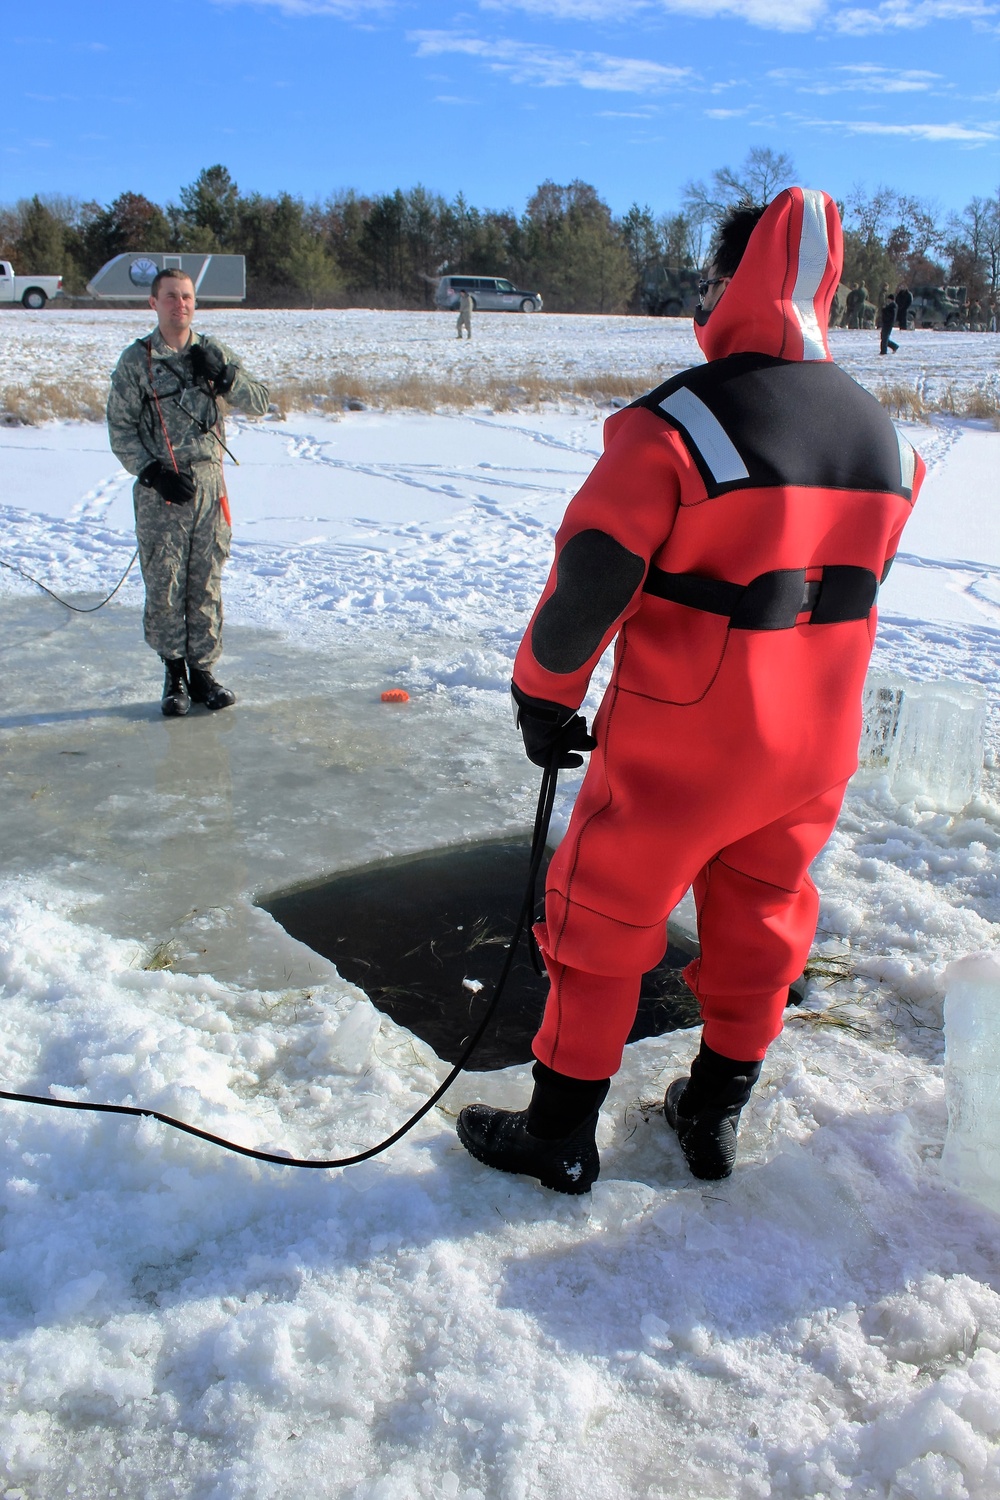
[
  {"x": 553, "y": 1139},
  {"x": 175, "y": 701},
  {"x": 705, "y": 1111},
  {"x": 205, "y": 689}
]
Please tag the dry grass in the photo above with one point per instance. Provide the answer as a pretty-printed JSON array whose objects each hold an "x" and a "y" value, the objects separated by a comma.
[
  {"x": 84, "y": 401},
  {"x": 70, "y": 400},
  {"x": 981, "y": 403},
  {"x": 906, "y": 402},
  {"x": 903, "y": 401},
  {"x": 427, "y": 393},
  {"x": 30, "y": 405}
]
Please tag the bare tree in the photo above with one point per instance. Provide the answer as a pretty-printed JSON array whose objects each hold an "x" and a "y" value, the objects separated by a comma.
[
  {"x": 974, "y": 245},
  {"x": 758, "y": 179},
  {"x": 871, "y": 214}
]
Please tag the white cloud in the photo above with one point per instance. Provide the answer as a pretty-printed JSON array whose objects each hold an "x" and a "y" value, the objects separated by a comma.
[
  {"x": 344, "y": 10},
  {"x": 908, "y": 15},
  {"x": 874, "y": 78},
  {"x": 948, "y": 132},
  {"x": 546, "y": 67},
  {"x": 725, "y": 114},
  {"x": 774, "y": 15}
]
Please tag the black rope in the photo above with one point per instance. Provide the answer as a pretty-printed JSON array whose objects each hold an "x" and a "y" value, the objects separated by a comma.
[
  {"x": 76, "y": 608},
  {"x": 543, "y": 815}
]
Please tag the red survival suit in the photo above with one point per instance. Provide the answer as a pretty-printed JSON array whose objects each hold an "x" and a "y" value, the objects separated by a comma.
[{"x": 733, "y": 534}]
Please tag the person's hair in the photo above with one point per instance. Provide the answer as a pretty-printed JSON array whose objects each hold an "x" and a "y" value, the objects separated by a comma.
[
  {"x": 733, "y": 235},
  {"x": 169, "y": 273}
]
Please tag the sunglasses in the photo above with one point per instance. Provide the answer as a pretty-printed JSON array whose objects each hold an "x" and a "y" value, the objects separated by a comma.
[{"x": 705, "y": 286}]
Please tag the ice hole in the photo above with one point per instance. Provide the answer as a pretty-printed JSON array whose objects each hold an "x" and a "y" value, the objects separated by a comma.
[{"x": 419, "y": 934}]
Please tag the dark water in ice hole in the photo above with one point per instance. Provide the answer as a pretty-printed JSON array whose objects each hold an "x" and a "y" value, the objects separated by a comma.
[{"x": 408, "y": 931}]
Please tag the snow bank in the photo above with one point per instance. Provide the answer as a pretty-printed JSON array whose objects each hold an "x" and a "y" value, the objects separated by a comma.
[{"x": 181, "y": 1322}]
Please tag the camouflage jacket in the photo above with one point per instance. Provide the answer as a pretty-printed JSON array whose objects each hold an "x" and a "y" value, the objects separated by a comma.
[{"x": 154, "y": 396}]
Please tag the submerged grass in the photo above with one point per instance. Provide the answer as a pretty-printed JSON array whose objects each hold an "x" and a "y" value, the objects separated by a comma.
[{"x": 162, "y": 956}]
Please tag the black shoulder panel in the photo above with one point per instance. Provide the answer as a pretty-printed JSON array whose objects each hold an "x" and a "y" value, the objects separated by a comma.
[{"x": 751, "y": 421}]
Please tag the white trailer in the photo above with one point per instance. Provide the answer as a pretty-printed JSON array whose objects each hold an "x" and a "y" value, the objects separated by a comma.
[
  {"x": 128, "y": 277},
  {"x": 31, "y": 291}
]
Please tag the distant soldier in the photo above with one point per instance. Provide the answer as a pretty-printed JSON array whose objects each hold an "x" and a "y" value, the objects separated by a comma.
[
  {"x": 165, "y": 422},
  {"x": 853, "y": 305},
  {"x": 903, "y": 299},
  {"x": 465, "y": 306},
  {"x": 888, "y": 320}
]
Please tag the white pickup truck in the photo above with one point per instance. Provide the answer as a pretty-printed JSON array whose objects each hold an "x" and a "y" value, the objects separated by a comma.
[{"x": 32, "y": 291}]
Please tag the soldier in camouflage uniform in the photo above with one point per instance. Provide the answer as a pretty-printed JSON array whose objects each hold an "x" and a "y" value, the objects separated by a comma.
[
  {"x": 465, "y": 306},
  {"x": 165, "y": 422}
]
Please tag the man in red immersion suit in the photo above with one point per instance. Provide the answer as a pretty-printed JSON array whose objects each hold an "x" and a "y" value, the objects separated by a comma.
[{"x": 733, "y": 536}]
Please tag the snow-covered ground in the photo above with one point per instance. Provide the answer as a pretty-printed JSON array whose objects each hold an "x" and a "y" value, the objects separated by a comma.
[
  {"x": 83, "y": 344},
  {"x": 177, "y": 1322}
]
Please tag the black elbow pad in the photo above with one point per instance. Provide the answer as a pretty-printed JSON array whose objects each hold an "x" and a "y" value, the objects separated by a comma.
[{"x": 595, "y": 579}]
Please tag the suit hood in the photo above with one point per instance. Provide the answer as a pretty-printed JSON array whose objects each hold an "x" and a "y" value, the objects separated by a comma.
[{"x": 778, "y": 302}]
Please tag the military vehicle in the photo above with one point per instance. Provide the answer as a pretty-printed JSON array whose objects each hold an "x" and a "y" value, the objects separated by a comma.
[
  {"x": 938, "y": 307},
  {"x": 838, "y": 307},
  {"x": 669, "y": 291},
  {"x": 128, "y": 277}
]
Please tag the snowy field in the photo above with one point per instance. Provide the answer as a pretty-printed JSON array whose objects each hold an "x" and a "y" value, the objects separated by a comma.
[
  {"x": 175, "y": 1322},
  {"x": 82, "y": 344}
]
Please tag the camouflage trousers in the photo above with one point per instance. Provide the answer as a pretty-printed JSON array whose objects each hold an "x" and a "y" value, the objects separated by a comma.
[
  {"x": 182, "y": 550},
  {"x": 464, "y": 321}
]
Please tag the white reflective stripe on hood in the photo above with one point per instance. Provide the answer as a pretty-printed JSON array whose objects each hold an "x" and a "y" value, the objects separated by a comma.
[{"x": 814, "y": 257}]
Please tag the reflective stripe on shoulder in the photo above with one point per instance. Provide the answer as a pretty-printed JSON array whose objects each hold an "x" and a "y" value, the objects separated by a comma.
[
  {"x": 907, "y": 461},
  {"x": 707, "y": 434}
]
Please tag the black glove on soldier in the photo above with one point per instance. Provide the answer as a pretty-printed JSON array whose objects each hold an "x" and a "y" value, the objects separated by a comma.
[
  {"x": 209, "y": 365},
  {"x": 550, "y": 730},
  {"x": 176, "y": 489}
]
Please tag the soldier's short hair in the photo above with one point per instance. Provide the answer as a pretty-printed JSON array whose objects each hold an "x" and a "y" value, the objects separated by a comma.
[
  {"x": 733, "y": 235},
  {"x": 169, "y": 273}
]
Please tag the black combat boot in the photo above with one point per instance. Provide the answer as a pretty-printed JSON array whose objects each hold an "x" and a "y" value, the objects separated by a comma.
[
  {"x": 553, "y": 1139},
  {"x": 705, "y": 1111},
  {"x": 205, "y": 689},
  {"x": 175, "y": 701}
]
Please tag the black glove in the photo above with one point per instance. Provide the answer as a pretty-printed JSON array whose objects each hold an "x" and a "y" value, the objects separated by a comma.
[
  {"x": 208, "y": 364},
  {"x": 176, "y": 489},
  {"x": 551, "y": 731}
]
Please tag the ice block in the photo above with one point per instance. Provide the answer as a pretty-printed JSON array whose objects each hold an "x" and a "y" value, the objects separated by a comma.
[
  {"x": 971, "y": 1158},
  {"x": 927, "y": 738}
]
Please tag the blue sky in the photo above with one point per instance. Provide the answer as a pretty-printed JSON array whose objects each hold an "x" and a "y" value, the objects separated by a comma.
[{"x": 635, "y": 96}]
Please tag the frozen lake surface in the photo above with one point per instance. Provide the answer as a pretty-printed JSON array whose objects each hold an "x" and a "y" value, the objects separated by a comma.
[{"x": 175, "y": 1322}]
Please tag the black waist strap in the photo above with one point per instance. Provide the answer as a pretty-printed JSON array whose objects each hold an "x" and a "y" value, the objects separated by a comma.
[{"x": 775, "y": 600}]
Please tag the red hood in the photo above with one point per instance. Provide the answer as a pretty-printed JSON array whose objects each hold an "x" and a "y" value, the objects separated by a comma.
[{"x": 779, "y": 300}]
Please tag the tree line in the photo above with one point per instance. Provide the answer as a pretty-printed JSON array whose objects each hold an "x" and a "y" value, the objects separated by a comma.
[{"x": 387, "y": 250}]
